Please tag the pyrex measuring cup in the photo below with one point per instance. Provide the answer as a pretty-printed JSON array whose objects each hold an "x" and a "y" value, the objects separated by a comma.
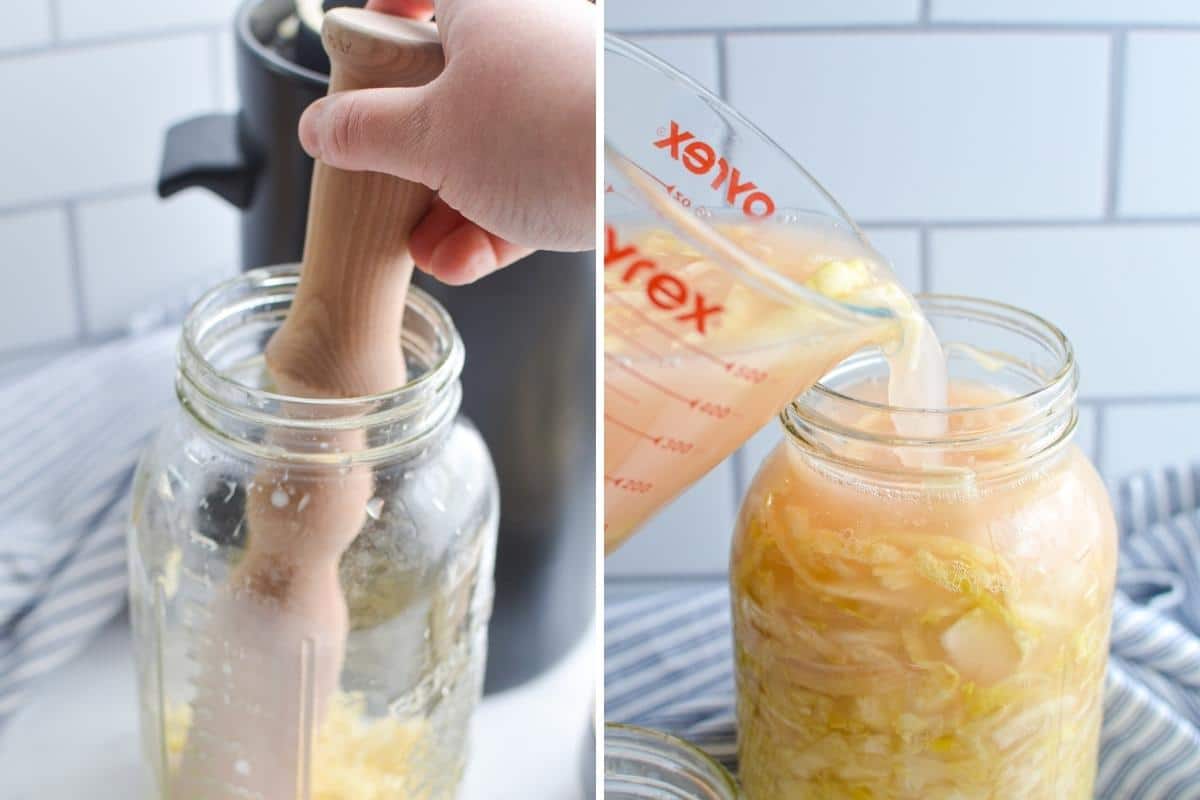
[{"x": 715, "y": 315}]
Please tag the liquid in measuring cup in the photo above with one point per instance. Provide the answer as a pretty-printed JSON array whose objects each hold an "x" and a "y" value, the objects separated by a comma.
[{"x": 698, "y": 356}]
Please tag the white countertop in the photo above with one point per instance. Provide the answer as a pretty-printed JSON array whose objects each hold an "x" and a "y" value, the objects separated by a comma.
[{"x": 77, "y": 737}]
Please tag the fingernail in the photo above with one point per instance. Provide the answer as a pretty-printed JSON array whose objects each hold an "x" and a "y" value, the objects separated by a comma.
[{"x": 311, "y": 123}]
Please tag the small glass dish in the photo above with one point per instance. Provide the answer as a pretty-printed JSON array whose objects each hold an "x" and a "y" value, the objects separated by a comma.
[{"x": 642, "y": 764}]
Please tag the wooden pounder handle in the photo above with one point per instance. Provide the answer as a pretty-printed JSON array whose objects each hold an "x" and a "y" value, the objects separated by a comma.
[
  {"x": 341, "y": 338},
  {"x": 342, "y": 335}
]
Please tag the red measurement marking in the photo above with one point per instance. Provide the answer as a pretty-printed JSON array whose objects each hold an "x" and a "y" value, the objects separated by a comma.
[
  {"x": 651, "y": 382},
  {"x": 675, "y": 445},
  {"x": 715, "y": 410},
  {"x": 748, "y": 374},
  {"x": 657, "y": 180},
  {"x": 739, "y": 371},
  {"x": 663, "y": 330},
  {"x": 620, "y": 334},
  {"x": 621, "y": 392},
  {"x": 633, "y": 485},
  {"x": 631, "y": 429}
]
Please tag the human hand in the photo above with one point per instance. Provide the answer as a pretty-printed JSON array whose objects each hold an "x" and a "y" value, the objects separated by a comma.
[{"x": 505, "y": 135}]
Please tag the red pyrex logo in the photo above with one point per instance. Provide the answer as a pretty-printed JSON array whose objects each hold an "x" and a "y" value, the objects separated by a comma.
[
  {"x": 663, "y": 290},
  {"x": 699, "y": 158}
]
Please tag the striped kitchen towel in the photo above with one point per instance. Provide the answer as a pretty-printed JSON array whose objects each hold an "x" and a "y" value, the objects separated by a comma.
[
  {"x": 668, "y": 660},
  {"x": 70, "y": 436}
]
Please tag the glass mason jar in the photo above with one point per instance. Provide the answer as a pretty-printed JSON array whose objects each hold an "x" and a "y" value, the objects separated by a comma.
[
  {"x": 311, "y": 579},
  {"x": 927, "y": 618},
  {"x": 641, "y": 764}
]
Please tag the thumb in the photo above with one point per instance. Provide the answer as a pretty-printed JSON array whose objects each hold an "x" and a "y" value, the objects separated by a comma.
[{"x": 381, "y": 130}]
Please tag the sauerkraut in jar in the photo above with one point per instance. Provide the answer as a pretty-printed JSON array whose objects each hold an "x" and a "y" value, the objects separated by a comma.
[{"x": 927, "y": 616}]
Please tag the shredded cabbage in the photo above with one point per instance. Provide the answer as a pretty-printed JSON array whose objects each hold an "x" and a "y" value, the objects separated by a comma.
[
  {"x": 354, "y": 757},
  {"x": 915, "y": 662}
]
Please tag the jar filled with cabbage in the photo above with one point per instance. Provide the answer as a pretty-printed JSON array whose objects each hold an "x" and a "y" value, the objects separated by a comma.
[{"x": 922, "y": 598}]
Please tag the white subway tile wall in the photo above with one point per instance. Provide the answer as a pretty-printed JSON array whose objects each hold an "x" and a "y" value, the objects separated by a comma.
[
  {"x": 39, "y": 297},
  {"x": 137, "y": 251},
  {"x": 695, "y": 56},
  {"x": 84, "y": 243},
  {"x": 1067, "y": 11},
  {"x": 689, "y": 536},
  {"x": 1160, "y": 162},
  {"x": 88, "y": 19},
  {"x": 93, "y": 117},
  {"x": 1145, "y": 436},
  {"x": 1041, "y": 152},
  {"x": 901, "y": 246},
  {"x": 636, "y": 15},
  {"x": 916, "y": 126},
  {"x": 31, "y": 27},
  {"x": 227, "y": 91},
  {"x": 1110, "y": 288}
]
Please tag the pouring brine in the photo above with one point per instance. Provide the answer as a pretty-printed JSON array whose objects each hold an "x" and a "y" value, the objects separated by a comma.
[
  {"x": 732, "y": 283},
  {"x": 922, "y": 571}
]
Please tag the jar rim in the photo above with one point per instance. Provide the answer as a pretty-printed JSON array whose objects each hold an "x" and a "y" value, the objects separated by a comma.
[
  {"x": 281, "y": 276},
  {"x": 1008, "y": 434},
  {"x": 255, "y": 302},
  {"x": 1063, "y": 375},
  {"x": 665, "y": 753}
]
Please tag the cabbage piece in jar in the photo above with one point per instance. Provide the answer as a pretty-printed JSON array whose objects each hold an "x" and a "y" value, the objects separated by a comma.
[{"x": 911, "y": 633}]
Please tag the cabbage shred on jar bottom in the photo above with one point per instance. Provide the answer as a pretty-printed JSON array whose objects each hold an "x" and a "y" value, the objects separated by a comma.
[
  {"x": 311, "y": 579},
  {"x": 921, "y": 618}
]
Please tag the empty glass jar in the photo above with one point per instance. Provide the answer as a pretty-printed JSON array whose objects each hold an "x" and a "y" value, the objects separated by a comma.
[
  {"x": 643, "y": 764},
  {"x": 311, "y": 579},
  {"x": 927, "y": 616}
]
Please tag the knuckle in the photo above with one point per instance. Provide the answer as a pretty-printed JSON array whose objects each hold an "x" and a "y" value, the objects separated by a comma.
[
  {"x": 347, "y": 125},
  {"x": 415, "y": 139}
]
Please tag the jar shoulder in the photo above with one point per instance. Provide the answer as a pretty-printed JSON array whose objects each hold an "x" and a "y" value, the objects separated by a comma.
[
  {"x": 1065, "y": 500},
  {"x": 190, "y": 487},
  {"x": 183, "y": 449}
]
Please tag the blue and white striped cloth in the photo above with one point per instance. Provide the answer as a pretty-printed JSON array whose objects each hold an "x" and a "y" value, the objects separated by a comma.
[
  {"x": 668, "y": 660},
  {"x": 70, "y": 436}
]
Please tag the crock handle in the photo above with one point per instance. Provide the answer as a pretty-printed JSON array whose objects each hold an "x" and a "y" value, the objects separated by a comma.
[{"x": 207, "y": 151}]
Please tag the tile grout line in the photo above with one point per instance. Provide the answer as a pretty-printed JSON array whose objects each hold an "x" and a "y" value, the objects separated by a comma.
[
  {"x": 1044, "y": 222},
  {"x": 925, "y": 260},
  {"x": 52, "y": 7},
  {"x": 703, "y": 577},
  {"x": 138, "y": 37},
  {"x": 723, "y": 84},
  {"x": 722, "y": 67},
  {"x": 75, "y": 252},
  {"x": 937, "y": 28},
  {"x": 1099, "y": 427},
  {"x": 737, "y": 468},
  {"x": 1127, "y": 400},
  {"x": 99, "y": 195},
  {"x": 926, "y": 14},
  {"x": 47, "y": 348},
  {"x": 1116, "y": 114}
]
